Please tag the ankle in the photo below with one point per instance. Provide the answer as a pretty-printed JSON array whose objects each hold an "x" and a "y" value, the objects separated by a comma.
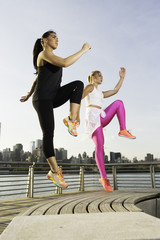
[
  {"x": 55, "y": 170},
  {"x": 73, "y": 118}
]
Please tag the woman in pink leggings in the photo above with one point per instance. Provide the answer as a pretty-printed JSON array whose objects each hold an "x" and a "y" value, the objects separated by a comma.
[{"x": 97, "y": 118}]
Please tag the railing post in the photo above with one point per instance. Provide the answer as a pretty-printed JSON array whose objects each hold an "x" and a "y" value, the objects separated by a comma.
[
  {"x": 30, "y": 187},
  {"x": 114, "y": 172},
  {"x": 81, "y": 179},
  {"x": 59, "y": 189},
  {"x": 152, "y": 172}
]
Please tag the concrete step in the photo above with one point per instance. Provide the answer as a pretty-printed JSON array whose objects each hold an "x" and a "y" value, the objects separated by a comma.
[{"x": 94, "y": 226}]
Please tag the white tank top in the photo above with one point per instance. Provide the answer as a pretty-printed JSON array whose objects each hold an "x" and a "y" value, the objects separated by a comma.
[{"x": 94, "y": 98}]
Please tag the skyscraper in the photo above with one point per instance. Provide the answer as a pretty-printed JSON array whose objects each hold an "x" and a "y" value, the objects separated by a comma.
[
  {"x": 18, "y": 147},
  {"x": 61, "y": 154},
  {"x": 32, "y": 146},
  {"x": 149, "y": 157},
  {"x": 115, "y": 157},
  {"x": 38, "y": 143}
]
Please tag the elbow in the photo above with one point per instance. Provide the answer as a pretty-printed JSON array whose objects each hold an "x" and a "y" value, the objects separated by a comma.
[
  {"x": 65, "y": 64},
  {"x": 83, "y": 95},
  {"x": 116, "y": 90}
]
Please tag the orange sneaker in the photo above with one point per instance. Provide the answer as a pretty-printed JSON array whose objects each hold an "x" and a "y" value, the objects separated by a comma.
[
  {"x": 77, "y": 124},
  {"x": 57, "y": 178},
  {"x": 127, "y": 134},
  {"x": 71, "y": 125},
  {"x": 106, "y": 184}
]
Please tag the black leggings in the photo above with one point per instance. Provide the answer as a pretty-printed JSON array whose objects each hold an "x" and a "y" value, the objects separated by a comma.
[{"x": 73, "y": 92}]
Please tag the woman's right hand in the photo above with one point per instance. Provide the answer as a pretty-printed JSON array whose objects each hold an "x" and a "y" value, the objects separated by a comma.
[
  {"x": 86, "y": 46},
  {"x": 24, "y": 98}
]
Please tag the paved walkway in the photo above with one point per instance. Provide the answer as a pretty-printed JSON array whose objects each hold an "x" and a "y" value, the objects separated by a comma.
[{"x": 10, "y": 208}]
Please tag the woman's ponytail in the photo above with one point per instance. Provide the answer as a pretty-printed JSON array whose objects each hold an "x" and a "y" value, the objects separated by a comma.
[
  {"x": 36, "y": 50},
  {"x": 38, "y": 47},
  {"x": 89, "y": 79},
  {"x": 91, "y": 75}
]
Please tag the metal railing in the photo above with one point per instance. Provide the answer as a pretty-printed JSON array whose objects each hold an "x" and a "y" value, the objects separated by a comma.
[{"x": 29, "y": 179}]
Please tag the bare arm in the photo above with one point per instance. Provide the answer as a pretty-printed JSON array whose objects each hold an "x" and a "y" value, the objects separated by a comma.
[
  {"x": 109, "y": 93},
  {"x": 89, "y": 88},
  {"x": 64, "y": 62},
  {"x": 25, "y": 98}
]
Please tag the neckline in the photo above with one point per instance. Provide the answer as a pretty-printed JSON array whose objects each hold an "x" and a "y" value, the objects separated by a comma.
[{"x": 95, "y": 88}]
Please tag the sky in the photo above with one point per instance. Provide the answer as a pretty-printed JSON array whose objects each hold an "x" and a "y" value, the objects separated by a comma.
[{"x": 121, "y": 32}]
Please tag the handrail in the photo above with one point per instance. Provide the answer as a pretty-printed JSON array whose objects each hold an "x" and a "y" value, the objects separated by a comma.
[
  {"x": 82, "y": 175},
  {"x": 80, "y": 164}
]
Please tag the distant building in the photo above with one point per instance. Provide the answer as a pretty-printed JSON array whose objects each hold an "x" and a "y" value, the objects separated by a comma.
[
  {"x": 38, "y": 143},
  {"x": 17, "y": 153},
  {"x": 93, "y": 155},
  {"x": 93, "y": 161},
  {"x": 73, "y": 160},
  {"x": 32, "y": 146},
  {"x": 135, "y": 160},
  {"x": 105, "y": 159},
  {"x": 112, "y": 157},
  {"x": 18, "y": 147},
  {"x": 115, "y": 157},
  {"x": 149, "y": 157},
  {"x": 57, "y": 154},
  {"x": 61, "y": 154},
  {"x": 80, "y": 157},
  {"x": 7, "y": 154},
  {"x": 37, "y": 155},
  {"x": 84, "y": 156},
  {"x": 26, "y": 157},
  {"x": 1, "y": 157},
  {"x": 125, "y": 160}
]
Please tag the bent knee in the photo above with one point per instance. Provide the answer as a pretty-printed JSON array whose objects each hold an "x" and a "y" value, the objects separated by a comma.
[
  {"x": 79, "y": 83},
  {"x": 120, "y": 102}
]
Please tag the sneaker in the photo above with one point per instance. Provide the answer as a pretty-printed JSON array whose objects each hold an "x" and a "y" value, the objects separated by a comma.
[
  {"x": 77, "y": 124},
  {"x": 57, "y": 178},
  {"x": 106, "y": 184},
  {"x": 127, "y": 134},
  {"x": 71, "y": 125}
]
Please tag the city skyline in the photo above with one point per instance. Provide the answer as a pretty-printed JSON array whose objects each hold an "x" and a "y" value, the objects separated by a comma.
[
  {"x": 38, "y": 143},
  {"x": 120, "y": 33}
]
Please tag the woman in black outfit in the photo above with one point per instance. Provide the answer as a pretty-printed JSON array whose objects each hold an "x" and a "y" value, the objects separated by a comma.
[{"x": 49, "y": 94}]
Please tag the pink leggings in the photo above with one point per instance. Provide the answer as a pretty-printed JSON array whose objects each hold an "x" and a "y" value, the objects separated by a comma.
[{"x": 116, "y": 107}]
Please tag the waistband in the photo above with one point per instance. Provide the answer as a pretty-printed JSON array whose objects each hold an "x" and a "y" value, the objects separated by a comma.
[{"x": 100, "y": 111}]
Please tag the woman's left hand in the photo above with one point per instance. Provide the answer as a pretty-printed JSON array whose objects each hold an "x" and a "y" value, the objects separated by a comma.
[{"x": 122, "y": 72}]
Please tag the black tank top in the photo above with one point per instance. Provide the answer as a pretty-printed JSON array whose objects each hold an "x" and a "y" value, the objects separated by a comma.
[{"x": 49, "y": 80}]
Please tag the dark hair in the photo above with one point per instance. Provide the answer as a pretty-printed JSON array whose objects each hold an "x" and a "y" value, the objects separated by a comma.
[{"x": 38, "y": 47}]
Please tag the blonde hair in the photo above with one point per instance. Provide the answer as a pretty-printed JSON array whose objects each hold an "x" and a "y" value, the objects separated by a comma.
[{"x": 91, "y": 75}]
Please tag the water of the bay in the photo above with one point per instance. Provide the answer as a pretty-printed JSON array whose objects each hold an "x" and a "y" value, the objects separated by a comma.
[{"x": 15, "y": 186}]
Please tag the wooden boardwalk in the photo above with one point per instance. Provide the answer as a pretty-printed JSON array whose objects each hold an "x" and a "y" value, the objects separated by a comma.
[{"x": 74, "y": 203}]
